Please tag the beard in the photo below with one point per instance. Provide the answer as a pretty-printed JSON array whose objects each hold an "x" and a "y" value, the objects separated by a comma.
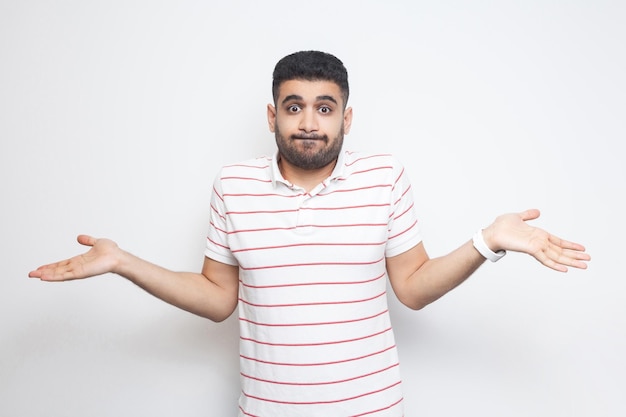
[{"x": 303, "y": 155}]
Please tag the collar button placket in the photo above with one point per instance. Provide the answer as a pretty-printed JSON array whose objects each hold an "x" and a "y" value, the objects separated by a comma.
[{"x": 305, "y": 215}]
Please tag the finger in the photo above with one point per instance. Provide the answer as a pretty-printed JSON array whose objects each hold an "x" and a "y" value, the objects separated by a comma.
[
  {"x": 566, "y": 244},
  {"x": 44, "y": 272},
  {"x": 554, "y": 258},
  {"x": 34, "y": 274},
  {"x": 37, "y": 273},
  {"x": 41, "y": 273},
  {"x": 567, "y": 257},
  {"x": 54, "y": 272},
  {"x": 551, "y": 255},
  {"x": 575, "y": 259},
  {"x": 63, "y": 272},
  {"x": 549, "y": 262}
]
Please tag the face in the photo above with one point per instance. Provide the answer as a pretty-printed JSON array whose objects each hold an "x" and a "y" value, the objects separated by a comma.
[{"x": 309, "y": 122}]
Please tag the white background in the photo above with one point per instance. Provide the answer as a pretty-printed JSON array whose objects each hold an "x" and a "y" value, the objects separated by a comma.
[{"x": 116, "y": 115}]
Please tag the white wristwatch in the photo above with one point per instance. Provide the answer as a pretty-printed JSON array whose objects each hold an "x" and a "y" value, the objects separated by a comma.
[{"x": 483, "y": 249}]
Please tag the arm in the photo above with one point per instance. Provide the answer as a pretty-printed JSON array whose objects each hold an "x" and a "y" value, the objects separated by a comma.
[
  {"x": 211, "y": 293},
  {"x": 418, "y": 280}
]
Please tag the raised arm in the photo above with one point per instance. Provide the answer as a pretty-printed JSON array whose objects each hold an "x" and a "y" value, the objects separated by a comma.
[
  {"x": 211, "y": 293},
  {"x": 418, "y": 280}
]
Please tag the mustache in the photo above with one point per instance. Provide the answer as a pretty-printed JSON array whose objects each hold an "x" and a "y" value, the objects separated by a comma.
[{"x": 313, "y": 136}]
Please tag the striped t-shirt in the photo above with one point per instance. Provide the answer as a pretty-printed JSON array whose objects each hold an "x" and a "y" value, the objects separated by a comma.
[{"x": 315, "y": 332}]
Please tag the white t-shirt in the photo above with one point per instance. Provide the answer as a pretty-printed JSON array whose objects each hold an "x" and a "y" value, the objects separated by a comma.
[{"x": 316, "y": 337}]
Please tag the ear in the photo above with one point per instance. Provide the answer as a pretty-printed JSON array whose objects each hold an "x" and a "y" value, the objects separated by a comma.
[
  {"x": 271, "y": 118},
  {"x": 347, "y": 120}
]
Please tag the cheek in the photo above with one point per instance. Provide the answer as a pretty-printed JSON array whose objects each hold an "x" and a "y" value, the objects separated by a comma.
[
  {"x": 333, "y": 127},
  {"x": 283, "y": 124}
]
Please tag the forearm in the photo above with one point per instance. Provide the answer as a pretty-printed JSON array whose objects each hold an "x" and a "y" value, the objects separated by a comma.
[
  {"x": 437, "y": 276},
  {"x": 193, "y": 292}
]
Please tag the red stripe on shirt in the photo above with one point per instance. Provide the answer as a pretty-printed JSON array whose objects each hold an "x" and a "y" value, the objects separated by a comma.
[
  {"x": 369, "y": 355},
  {"x": 366, "y": 157},
  {"x": 320, "y": 383},
  {"x": 314, "y": 304},
  {"x": 380, "y": 409},
  {"x": 267, "y": 229},
  {"x": 313, "y": 323},
  {"x": 253, "y": 268},
  {"x": 324, "y": 402},
  {"x": 313, "y": 283},
  {"x": 404, "y": 231},
  {"x": 309, "y": 244},
  {"x": 336, "y": 342}
]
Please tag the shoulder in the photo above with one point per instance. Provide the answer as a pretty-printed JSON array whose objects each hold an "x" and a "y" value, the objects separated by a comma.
[
  {"x": 247, "y": 167},
  {"x": 244, "y": 173},
  {"x": 370, "y": 170},
  {"x": 355, "y": 162}
]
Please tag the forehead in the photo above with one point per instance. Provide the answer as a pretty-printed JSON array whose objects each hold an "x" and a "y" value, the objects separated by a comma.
[{"x": 309, "y": 90}]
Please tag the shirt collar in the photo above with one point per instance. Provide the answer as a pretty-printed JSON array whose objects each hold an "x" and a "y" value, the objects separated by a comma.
[{"x": 276, "y": 176}]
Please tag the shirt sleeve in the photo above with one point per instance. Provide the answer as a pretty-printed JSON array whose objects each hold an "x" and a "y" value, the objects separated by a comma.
[
  {"x": 404, "y": 232},
  {"x": 217, "y": 247}
]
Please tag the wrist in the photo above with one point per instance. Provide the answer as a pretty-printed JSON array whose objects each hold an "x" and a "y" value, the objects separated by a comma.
[
  {"x": 120, "y": 263},
  {"x": 483, "y": 243}
]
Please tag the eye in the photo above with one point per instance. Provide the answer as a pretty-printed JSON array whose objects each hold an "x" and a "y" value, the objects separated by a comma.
[
  {"x": 294, "y": 108},
  {"x": 324, "y": 109}
]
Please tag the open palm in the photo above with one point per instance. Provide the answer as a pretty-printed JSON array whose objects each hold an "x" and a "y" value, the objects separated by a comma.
[
  {"x": 98, "y": 260},
  {"x": 515, "y": 234}
]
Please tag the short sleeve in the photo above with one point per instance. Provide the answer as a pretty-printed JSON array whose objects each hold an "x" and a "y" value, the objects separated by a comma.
[
  {"x": 404, "y": 230},
  {"x": 217, "y": 246}
]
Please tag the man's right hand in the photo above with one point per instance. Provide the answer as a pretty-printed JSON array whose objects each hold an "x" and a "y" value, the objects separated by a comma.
[{"x": 100, "y": 259}]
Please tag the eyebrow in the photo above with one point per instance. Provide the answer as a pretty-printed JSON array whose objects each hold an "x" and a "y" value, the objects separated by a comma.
[{"x": 318, "y": 98}]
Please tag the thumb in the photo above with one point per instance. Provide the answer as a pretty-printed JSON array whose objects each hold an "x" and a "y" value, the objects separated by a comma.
[
  {"x": 530, "y": 214},
  {"x": 86, "y": 240}
]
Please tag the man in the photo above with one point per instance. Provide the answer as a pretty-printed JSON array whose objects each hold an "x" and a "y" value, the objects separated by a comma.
[{"x": 303, "y": 243}]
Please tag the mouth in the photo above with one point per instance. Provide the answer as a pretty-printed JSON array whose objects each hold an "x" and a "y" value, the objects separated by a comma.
[{"x": 311, "y": 137}]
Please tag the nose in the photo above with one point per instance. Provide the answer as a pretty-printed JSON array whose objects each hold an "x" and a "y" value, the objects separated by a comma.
[{"x": 308, "y": 121}]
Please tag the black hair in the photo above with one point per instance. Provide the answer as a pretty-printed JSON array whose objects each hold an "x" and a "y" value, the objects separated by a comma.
[{"x": 311, "y": 66}]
